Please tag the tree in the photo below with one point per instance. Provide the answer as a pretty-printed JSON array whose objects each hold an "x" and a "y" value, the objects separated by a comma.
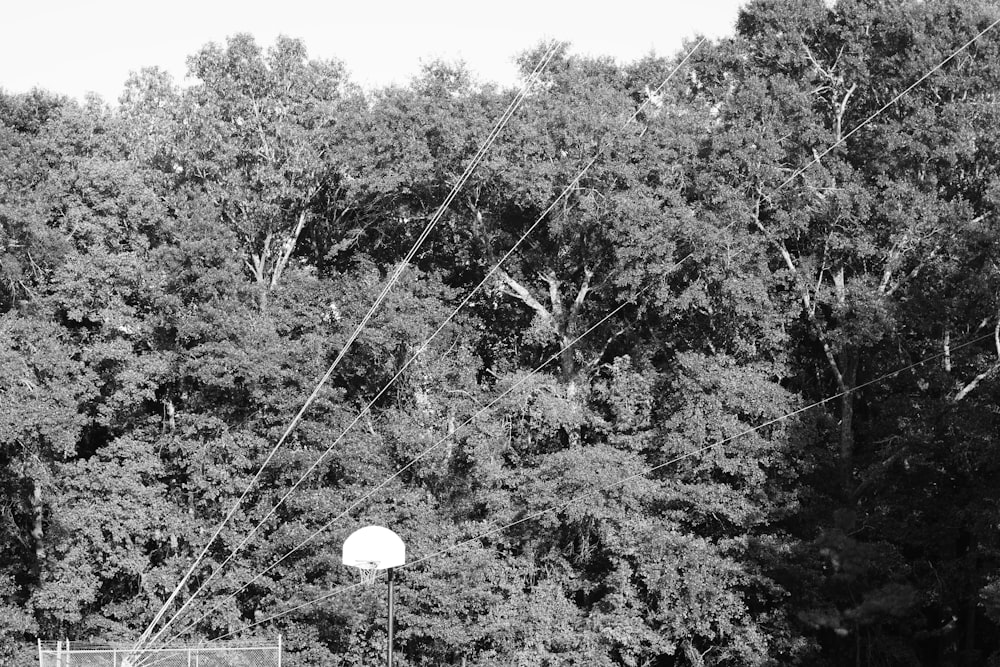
[
  {"x": 254, "y": 135},
  {"x": 860, "y": 236}
]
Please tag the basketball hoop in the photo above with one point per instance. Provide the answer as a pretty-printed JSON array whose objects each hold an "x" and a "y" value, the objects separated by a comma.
[
  {"x": 369, "y": 550},
  {"x": 367, "y": 572}
]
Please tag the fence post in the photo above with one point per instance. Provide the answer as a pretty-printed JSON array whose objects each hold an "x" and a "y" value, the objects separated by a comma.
[
  {"x": 189, "y": 656},
  {"x": 279, "y": 649},
  {"x": 41, "y": 663}
]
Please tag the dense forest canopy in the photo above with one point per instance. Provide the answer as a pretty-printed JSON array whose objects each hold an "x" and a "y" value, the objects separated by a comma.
[{"x": 178, "y": 271}]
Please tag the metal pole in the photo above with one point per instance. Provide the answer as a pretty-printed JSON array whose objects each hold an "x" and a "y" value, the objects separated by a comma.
[
  {"x": 41, "y": 663},
  {"x": 279, "y": 649},
  {"x": 391, "y": 577}
]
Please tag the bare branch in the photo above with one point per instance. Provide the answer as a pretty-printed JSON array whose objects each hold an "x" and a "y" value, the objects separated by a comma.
[
  {"x": 582, "y": 294},
  {"x": 971, "y": 386},
  {"x": 267, "y": 154},
  {"x": 913, "y": 273},
  {"x": 259, "y": 260},
  {"x": 822, "y": 270},
  {"x": 554, "y": 297},
  {"x": 842, "y": 110},
  {"x": 285, "y": 253},
  {"x": 516, "y": 289},
  {"x": 890, "y": 262},
  {"x": 789, "y": 262},
  {"x": 815, "y": 63},
  {"x": 836, "y": 60},
  {"x": 807, "y": 303},
  {"x": 27, "y": 290},
  {"x": 947, "y": 351},
  {"x": 996, "y": 338},
  {"x": 16, "y": 532},
  {"x": 612, "y": 337},
  {"x": 34, "y": 267}
]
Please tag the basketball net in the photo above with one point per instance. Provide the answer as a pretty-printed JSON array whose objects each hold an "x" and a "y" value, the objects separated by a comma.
[{"x": 367, "y": 571}]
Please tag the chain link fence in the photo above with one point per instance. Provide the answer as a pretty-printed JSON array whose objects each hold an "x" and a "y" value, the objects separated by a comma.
[{"x": 218, "y": 654}]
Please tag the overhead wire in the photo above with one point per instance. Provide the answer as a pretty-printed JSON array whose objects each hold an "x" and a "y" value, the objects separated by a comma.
[
  {"x": 145, "y": 637},
  {"x": 485, "y": 280},
  {"x": 798, "y": 172},
  {"x": 928, "y": 74},
  {"x": 617, "y": 483},
  {"x": 498, "y": 127},
  {"x": 782, "y": 185}
]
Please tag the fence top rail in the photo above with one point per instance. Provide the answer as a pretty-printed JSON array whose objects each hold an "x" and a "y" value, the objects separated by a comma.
[{"x": 53, "y": 646}]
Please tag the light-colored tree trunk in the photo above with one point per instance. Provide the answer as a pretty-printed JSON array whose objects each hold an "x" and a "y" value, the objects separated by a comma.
[
  {"x": 849, "y": 368},
  {"x": 561, "y": 319},
  {"x": 269, "y": 264},
  {"x": 285, "y": 252},
  {"x": 970, "y": 386},
  {"x": 38, "y": 525}
]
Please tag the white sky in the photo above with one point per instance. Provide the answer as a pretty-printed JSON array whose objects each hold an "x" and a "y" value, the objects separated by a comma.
[{"x": 75, "y": 46}]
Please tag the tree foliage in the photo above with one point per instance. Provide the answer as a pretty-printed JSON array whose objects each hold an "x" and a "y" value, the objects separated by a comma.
[{"x": 778, "y": 449}]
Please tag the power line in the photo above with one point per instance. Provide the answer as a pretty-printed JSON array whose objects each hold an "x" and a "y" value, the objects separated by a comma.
[
  {"x": 442, "y": 208},
  {"x": 888, "y": 104},
  {"x": 494, "y": 133},
  {"x": 601, "y": 489},
  {"x": 461, "y": 305},
  {"x": 624, "y": 480}
]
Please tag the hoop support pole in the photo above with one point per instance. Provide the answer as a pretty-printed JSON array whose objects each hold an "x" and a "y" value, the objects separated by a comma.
[{"x": 391, "y": 578}]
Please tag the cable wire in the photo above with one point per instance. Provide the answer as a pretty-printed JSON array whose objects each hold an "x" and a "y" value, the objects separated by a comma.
[
  {"x": 779, "y": 187},
  {"x": 566, "y": 190},
  {"x": 888, "y": 104},
  {"x": 494, "y": 133},
  {"x": 464, "y": 177},
  {"x": 624, "y": 480}
]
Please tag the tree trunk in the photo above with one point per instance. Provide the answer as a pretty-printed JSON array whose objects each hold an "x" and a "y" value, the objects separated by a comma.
[
  {"x": 849, "y": 372},
  {"x": 257, "y": 265},
  {"x": 38, "y": 528},
  {"x": 559, "y": 318},
  {"x": 567, "y": 361},
  {"x": 285, "y": 252},
  {"x": 262, "y": 298}
]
